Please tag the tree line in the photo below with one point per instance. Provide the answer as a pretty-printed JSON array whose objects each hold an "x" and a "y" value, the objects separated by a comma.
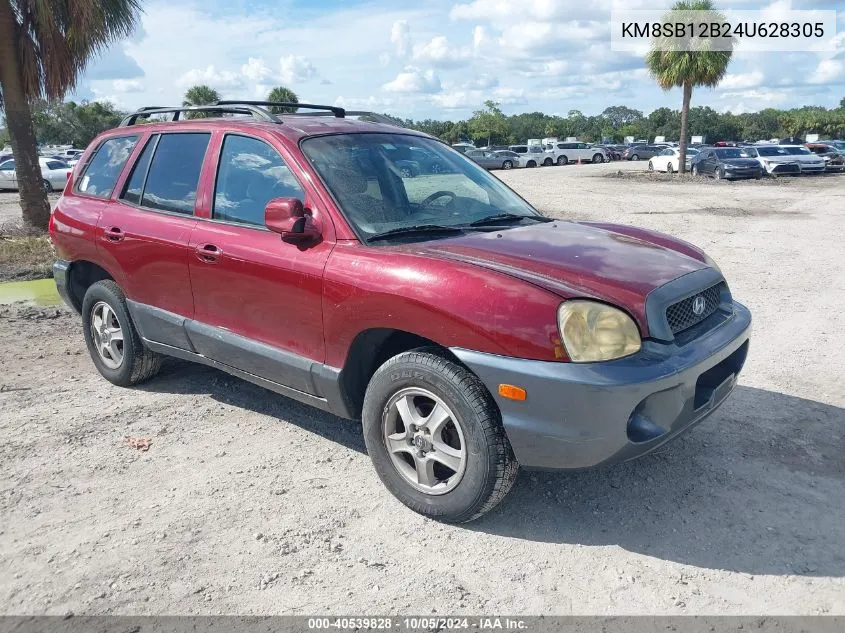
[
  {"x": 70, "y": 123},
  {"x": 617, "y": 122}
]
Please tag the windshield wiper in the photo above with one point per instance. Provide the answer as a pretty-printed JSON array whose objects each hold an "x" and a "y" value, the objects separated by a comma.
[
  {"x": 411, "y": 230},
  {"x": 506, "y": 217}
]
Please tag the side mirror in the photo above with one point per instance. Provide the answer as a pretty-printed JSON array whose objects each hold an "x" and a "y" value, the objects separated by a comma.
[{"x": 287, "y": 217}]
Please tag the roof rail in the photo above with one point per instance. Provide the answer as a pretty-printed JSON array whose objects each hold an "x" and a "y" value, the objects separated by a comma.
[
  {"x": 373, "y": 117},
  {"x": 336, "y": 111},
  {"x": 259, "y": 114}
]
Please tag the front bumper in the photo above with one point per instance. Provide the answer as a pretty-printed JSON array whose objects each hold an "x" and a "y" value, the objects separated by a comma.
[{"x": 582, "y": 415}]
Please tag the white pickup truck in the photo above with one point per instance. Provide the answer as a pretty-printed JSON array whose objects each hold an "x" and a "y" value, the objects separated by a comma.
[{"x": 563, "y": 152}]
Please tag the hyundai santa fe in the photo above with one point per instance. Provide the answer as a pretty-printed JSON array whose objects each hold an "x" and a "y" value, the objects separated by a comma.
[{"x": 468, "y": 332}]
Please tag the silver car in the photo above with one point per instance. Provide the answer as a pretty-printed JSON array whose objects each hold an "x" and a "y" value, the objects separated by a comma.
[
  {"x": 54, "y": 174},
  {"x": 494, "y": 160}
]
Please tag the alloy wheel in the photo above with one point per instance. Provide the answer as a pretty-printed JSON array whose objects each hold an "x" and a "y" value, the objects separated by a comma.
[
  {"x": 425, "y": 440},
  {"x": 107, "y": 333}
]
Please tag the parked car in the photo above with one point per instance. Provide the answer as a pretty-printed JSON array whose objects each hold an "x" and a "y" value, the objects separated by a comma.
[
  {"x": 530, "y": 155},
  {"x": 809, "y": 162},
  {"x": 469, "y": 333},
  {"x": 774, "y": 159},
  {"x": 518, "y": 161},
  {"x": 834, "y": 159},
  {"x": 840, "y": 145},
  {"x": 729, "y": 163},
  {"x": 493, "y": 160},
  {"x": 669, "y": 160},
  {"x": 54, "y": 174},
  {"x": 615, "y": 151},
  {"x": 561, "y": 153},
  {"x": 642, "y": 152},
  {"x": 417, "y": 162}
]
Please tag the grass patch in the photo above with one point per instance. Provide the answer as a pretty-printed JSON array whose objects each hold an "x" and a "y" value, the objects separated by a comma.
[{"x": 25, "y": 255}]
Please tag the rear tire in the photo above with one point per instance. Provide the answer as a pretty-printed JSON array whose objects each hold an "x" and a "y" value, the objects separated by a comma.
[
  {"x": 635, "y": 157},
  {"x": 669, "y": 168},
  {"x": 507, "y": 165},
  {"x": 113, "y": 342},
  {"x": 548, "y": 162},
  {"x": 472, "y": 435},
  {"x": 531, "y": 163},
  {"x": 650, "y": 166},
  {"x": 48, "y": 188},
  {"x": 597, "y": 158}
]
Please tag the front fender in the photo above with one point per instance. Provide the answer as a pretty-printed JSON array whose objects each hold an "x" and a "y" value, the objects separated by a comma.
[{"x": 451, "y": 303}]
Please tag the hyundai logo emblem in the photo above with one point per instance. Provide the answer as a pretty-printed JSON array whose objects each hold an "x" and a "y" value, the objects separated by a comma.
[{"x": 698, "y": 305}]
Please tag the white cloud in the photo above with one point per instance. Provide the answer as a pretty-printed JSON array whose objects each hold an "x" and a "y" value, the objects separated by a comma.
[
  {"x": 295, "y": 68},
  {"x": 400, "y": 37},
  {"x": 256, "y": 70},
  {"x": 211, "y": 76},
  {"x": 482, "y": 82},
  {"x": 127, "y": 85},
  {"x": 760, "y": 96},
  {"x": 479, "y": 36},
  {"x": 741, "y": 80},
  {"x": 437, "y": 53},
  {"x": 828, "y": 71},
  {"x": 415, "y": 80}
]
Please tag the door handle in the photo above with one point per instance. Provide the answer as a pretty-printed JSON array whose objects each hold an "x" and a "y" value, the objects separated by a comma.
[
  {"x": 113, "y": 234},
  {"x": 208, "y": 253}
]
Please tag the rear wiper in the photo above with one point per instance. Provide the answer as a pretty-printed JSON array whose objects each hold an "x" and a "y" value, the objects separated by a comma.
[
  {"x": 505, "y": 217},
  {"x": 411, "y": 230}
]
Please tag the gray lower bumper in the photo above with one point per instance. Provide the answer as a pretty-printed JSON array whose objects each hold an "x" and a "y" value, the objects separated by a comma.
[
  {"x": 582, "y": 415},
  {"x": 60, "y": 275}
]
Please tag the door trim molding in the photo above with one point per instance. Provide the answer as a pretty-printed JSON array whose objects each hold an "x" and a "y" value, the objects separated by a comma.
[{"x": 278, "y": 370}]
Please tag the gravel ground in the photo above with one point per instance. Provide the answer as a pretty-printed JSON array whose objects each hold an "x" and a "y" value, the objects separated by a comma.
[{"x": 250, "y": 503}]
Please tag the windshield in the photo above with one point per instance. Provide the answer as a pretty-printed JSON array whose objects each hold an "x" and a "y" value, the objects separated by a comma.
[
  {"x": 797, "y": 151},
  {"x": 731, "y": 152},
  {"x": 380, "y": 187}
]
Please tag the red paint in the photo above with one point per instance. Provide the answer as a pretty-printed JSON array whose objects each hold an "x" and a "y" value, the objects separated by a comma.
[{"x": 495, "y": 292}]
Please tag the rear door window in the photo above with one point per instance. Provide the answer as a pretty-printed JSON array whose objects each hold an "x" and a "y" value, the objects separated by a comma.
[
  {"x": 250, "y": 174},
  {"x": 104, "y": 168},
  {"x": 175, "y": 172},
  {"x": 135, "y": 187}
]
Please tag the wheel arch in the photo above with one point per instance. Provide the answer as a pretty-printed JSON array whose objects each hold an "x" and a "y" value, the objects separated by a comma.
[
  {"x": 82, "y": 274},
  {"x": 369, "y": 350}
]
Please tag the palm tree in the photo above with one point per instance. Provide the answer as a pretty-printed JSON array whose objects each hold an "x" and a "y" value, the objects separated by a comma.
[
  {"x": 44, "y": 47},
  {"x": 686, "y": 68},
  {"x": 280, "y": 94},
  {"x": 200, "y": 95}
]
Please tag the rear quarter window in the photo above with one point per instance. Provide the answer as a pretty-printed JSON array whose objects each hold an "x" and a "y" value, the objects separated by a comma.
[{"x": 103, "y": 170}]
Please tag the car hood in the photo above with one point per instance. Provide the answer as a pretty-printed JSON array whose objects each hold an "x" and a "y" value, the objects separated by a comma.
[
  {"x": 616, "y": 264},
  {"x": 741, "y": 162}
]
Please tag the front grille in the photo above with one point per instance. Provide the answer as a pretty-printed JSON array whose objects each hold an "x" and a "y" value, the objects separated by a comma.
[{"x": 681, "y": 316}]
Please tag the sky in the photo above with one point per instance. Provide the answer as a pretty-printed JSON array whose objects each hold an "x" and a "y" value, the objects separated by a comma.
[{"x": 437, "y": 59}]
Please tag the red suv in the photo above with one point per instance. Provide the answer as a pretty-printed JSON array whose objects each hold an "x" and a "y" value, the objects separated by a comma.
[{"x": 467, "y": 331}]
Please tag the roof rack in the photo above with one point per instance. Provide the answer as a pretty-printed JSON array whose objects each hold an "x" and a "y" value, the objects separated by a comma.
[
  {"x": 336, "y": 111},
  {"x": 259, "y": 114}
]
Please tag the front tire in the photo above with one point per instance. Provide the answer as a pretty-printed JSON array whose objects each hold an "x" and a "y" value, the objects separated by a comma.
[
  {"x": 531, "y": 164},
  {"x": 650, "y": 166},
  {"x": 435, "y": 437},
  {"x": 548, "y": 162},
  {"x": 669, "y": 168},
  {"x": 635, "y": 157},
  {"x": 112, "y": 340},
  {"x": 562, "y": 160},
  {"x": 45, "y": 184},
  {"x": 597, "y": 158},
  {"x": 507, "y": 165}
]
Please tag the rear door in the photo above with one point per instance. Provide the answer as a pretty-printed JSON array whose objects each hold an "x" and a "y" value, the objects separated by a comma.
[
  {"x": 144, "y": 233},
  {"x": 258, "y": 299}
]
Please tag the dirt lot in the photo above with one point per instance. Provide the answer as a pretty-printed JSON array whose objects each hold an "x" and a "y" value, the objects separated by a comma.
[{"x": 250, "y": 503}]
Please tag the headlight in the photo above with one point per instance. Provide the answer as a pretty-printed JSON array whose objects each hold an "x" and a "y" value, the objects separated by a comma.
[{"x": 593, "y": 331}]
